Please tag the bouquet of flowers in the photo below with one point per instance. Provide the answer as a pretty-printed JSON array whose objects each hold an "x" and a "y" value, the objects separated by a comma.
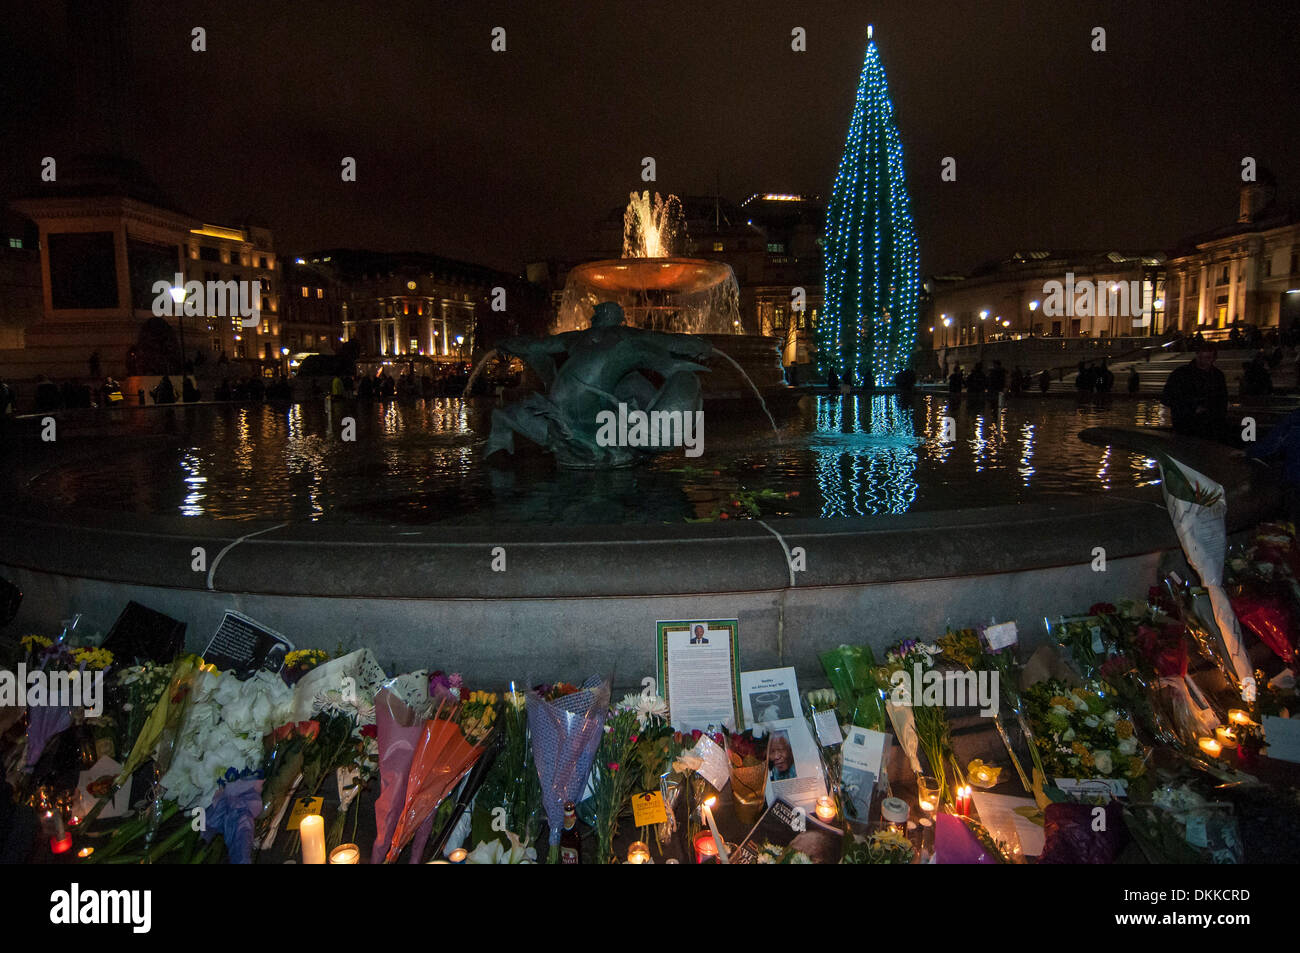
[
  {"x": 1079, "y": 733},
  {"x": 881, "y": 847},
  {"x": 771, "y": 853},
  {"x": 851, "y": 670},
  {"x": 616, "y": 771},
  {"x": 566, "y": 728},
  {"x": 512, "y": 782},
  {"x": 301, "y": 661},
  {"x": 919, "y": 726},
  {"x": 970, "y": 649},
  {"x": 223, "y": 729},
  {"x": 449, "y": 745}
]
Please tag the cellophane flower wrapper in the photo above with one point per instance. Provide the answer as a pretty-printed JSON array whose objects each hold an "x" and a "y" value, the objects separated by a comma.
[
  {"x": 1203, "y": 534},
  {"x": 400, "y": 728},
  {"x": 565, "y": 735},
  {"x": 356, "y": 677},
  {"x": 441, "y": 758},
  {"x": 851, "y": 670},
  {"x": 233, "y": 814},
  {"x": 43, "y": 723}
]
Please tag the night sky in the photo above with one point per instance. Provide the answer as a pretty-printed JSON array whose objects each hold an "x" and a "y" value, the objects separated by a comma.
[{"x": 506, "y": 157}]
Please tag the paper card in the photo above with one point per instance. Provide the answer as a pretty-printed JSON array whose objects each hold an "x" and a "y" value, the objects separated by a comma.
[
  {"x": 1283, "y": 738},
  {"x": 1004, "y": 816},
  {"x": 648, "y": 808},
  {"x": 699, "y": 673},
  {"x": 1000, "y": 636},
  {"x": 714, "y": 769},
  {"x": 303, "y": 807},
  {"x": 1093, "y": 787},
  {"x": 828, "y": 728},
  {"x": 95, "y": 782},
  {"x": 770, "y": 694},
  {"x": 245, "y": 646},
  {"x": 863, "y": 755},
  {"x": 794, "y": 765}
]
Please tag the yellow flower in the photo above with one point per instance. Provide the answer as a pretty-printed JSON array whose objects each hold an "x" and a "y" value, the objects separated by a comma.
[
  {"x": 31, "y": 641},
  {"x": 93, "y": 658},
  {"x": 1061, "y": 701},
  {"x": 1123, "y": 729},
  {"x": 1136, "y": 767}
]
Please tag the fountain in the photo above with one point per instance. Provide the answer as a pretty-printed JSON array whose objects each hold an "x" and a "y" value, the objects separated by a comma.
[{"x": 658, "y": 290}]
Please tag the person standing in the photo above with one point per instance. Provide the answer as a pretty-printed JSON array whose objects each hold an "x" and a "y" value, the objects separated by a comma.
[
  {"x": 1134, "y": 379},
  {"x": 1197, "y": 396},
  {"x": 1045, "y": 381}
]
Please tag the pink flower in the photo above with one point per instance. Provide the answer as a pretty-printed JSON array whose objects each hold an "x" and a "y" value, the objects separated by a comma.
[
  {"x": 634, "y": 738},
  {"x": 613, "y": 766}
]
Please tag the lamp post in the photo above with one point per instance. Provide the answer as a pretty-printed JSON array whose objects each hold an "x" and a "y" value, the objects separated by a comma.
[
  {"x": 460, "y": 349},
  {"x": 178, "y": 295}
]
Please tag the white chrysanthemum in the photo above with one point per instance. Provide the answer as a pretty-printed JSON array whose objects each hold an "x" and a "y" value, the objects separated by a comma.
[{"x": 1103, "y": 762}]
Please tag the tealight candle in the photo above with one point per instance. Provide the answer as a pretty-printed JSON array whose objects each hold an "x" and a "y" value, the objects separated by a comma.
[
  {"x": 638, "y": 853},
  {"x": 1225, "y": 736},
  {"x": 826, "y": 809},
  {"x": 458, "y": 856},
  {"x": 1239, "y": 717},
  {"x": 85, "y": 852},
  {"x": 312, "y": 831},
  {"x": 1210, "y": 746},
  {"x": 61, "y": 845},
  {"x": 345, "y": 854},
  {"x": 927, "y": 806}
]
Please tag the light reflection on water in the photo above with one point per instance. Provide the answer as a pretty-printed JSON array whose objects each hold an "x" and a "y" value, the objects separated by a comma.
[{"x": 422, "y": 463}]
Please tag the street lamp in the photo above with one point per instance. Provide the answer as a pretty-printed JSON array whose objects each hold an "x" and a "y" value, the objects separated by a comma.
[{"x": 178, "y": 295}]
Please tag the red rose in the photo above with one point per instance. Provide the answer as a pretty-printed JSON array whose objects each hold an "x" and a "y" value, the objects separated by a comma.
[
  {"x": 1101, "y": 608},
  {"x": 695, "y": 734},
  {"x": 369, "y": 731}
]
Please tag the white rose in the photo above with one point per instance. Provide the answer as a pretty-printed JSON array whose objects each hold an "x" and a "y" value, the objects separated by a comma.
[
  {"x": 1127, "y": 746},
  {"x": 1067, "y": 735},
  {"x": 1103, "y": 762},
  {"x": 1111, "y": 716},
  {"x": 1092, "y": 721}
]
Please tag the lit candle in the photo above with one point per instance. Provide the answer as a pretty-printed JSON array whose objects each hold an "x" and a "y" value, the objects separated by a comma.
[
  {"x": 826, "y": 809},
  {"x": 1239, "y": 717},
  {"x": 894, "y": 812},
  {"x": 312, "y": 831},
  {"x": 61, "y": 845},
  {"x": 458, "y": 855},
  {"x": 705, "y": 847},
  {"x": 963, "y": 800},
  {"x": 345, "y": 854},
  {"x": 927, "y": 806},
  {"x": 1225, "y": 736},
  {"x": 717, "y": 838},
  {"x": 85, "y": 852},
  {"x": 638, "y": 853},
  {"x": 1210, "y": 746}
]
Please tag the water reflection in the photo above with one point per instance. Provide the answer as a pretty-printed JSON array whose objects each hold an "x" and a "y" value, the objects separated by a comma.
[{"x": 422, "y": 462}]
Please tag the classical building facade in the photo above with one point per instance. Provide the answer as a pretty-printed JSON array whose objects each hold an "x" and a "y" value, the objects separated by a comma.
[
  {"x": 1247, "y": 272},
  {"x": 1048, "y": 294},
  {"x": 410, "y": 304},
  {"x": 107, "y": 237}
]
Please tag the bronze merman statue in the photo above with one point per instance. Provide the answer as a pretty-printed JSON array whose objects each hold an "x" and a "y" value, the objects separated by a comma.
[{"x": 602, "y": 369}]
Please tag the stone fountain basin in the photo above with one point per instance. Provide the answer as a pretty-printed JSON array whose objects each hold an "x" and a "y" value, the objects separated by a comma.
[{"x": 580, "y": 599}]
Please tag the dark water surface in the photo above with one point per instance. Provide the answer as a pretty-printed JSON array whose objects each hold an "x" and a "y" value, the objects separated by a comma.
[{"x": 422, "y": 462}]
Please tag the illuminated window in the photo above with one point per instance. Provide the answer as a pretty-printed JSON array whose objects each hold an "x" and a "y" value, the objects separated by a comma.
[
  {"x": 304, "y": 291},
  {"x": 718, "y": 246},
  {"x": 320, "y": 293},
  {"x": 15, "y": 243}
]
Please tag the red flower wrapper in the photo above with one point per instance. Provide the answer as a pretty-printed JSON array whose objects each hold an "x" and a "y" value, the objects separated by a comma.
[
  {"x": 1270, "y": 618},
  {"x": 1164, "y": 648}
]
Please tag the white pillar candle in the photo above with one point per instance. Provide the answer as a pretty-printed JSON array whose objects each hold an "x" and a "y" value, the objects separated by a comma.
[{"x": 312, "y": 831}]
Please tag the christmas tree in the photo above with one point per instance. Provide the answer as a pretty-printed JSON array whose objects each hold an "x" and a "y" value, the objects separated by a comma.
[{"x": 867, "y": 327}]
